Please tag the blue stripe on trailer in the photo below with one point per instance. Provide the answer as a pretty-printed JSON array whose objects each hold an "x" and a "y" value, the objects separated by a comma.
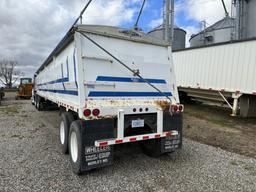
[
  {"x": 128, "y": 79},
  {"x": 61, "y": 80},
  {"x": 66, "y": 79},
  {"x": 103, "y": 78},
  {"x": 127, "y": 94},
  {"x": 66, "y": 92}
]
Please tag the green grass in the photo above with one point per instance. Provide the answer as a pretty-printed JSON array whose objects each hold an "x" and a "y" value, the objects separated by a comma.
[
  {"x": 248, "y": 167},
  {"x": 217, "y": 115},
  {"x": 10, "y": 110},
  {"x": 233, "y": 162},
  {"x": 10, "y": 90}
]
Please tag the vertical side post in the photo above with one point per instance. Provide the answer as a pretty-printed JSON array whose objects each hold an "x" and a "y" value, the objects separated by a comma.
[
  {"x": 159, "y": 121},
  {"x": 120, "y": 124},
  {"x": 80, "y": 73}
]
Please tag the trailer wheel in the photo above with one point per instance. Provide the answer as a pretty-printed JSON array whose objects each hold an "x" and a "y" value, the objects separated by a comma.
[
  {"x": 36, "y": 102},
  {"x": 152, "y": 147},
  {"x": 66, "y": 119},
  {"x": 39, "y": 104},
  {"x": 75, "y": 147}
]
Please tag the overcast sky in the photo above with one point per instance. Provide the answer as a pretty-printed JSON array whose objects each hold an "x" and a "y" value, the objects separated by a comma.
[{"x": 30, "y": 29}]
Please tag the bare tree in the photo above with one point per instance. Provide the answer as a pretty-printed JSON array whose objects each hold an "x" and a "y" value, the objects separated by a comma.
[{"x": 8, "y": 74}]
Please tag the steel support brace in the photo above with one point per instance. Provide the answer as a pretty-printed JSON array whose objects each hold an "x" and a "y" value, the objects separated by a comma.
[{"x": 223, "y": 97}]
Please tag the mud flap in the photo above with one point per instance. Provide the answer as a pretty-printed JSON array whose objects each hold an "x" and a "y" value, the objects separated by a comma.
[
  {"x": 170, "y": 144},
  {"x": 174, "y": 142},
  {"x": 96, "y": 157}
]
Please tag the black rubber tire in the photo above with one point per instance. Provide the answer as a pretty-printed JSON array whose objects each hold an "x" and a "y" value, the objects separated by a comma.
[
  {"x": 67, "y": 118},
  {"x": 36, "y": 102},
  {"x": 76, "y": 129},
  {"x": 152, "y": 147},
  {"x": 39, "y": 104}
]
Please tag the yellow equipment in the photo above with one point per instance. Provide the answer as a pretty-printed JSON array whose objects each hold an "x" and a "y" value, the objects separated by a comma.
[{"x": 25, "y": 88}]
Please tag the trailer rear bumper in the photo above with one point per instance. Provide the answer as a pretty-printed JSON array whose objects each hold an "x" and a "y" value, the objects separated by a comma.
[
  {"x": 99, "y": 137},
  {"x": 162, "y": 125},
  {"x": 101, "y": 143}
]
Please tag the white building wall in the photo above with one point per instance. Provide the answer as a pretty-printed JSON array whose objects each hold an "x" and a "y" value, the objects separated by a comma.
[{"x": 229, "y": 67}]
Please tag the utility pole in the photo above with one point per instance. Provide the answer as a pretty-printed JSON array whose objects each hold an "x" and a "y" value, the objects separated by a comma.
[{"x": 169, "y": 20}]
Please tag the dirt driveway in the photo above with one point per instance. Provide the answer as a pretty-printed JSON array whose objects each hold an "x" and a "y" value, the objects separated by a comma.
[{"x": 214, "y": 126}]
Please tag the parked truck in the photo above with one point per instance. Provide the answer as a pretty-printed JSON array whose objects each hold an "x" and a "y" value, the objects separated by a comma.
[
  {"x": 112, "y": 86},
  {"x": 25, "y": 89}
]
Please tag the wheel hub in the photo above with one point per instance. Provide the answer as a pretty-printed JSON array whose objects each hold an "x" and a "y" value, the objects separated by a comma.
[
  {"x": 74, "y": 147},
  {"x": 62, "y": 133}
]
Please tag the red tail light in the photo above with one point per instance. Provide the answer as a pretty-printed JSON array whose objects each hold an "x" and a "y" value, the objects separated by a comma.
[
  {"x": 96, "y": 112},
  {"x": 177, "y": 108},
  {"x": 87, "y": 112},
  {"x": 180, "y": 108}
]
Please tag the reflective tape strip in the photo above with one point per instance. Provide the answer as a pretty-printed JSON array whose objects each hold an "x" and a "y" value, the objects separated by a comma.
[
  {"x": 105, "y": 143},
  {"x": 119, "y": 141},
  {"x": 145, "y": 137},
  {"x": 135, "y": 138}
]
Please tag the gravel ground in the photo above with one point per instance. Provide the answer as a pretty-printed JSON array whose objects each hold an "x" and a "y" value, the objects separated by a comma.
[{"x": 30, "y": 160}]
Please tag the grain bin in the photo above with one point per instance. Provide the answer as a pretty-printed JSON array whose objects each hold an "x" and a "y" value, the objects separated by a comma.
[
  {"x": 221, "y": 31},
  {"x": 179, "y": 40}
]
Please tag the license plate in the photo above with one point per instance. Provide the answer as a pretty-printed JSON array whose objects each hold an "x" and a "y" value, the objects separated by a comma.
[{"x": 138, "y": 123}]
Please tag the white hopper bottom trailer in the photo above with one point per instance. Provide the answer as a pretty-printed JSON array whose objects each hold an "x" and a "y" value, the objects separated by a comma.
[
  {"x": 221, "y": 72},
  {"x": 112, "y": 86}
]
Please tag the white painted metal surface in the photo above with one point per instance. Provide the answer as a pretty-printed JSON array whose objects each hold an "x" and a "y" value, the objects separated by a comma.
[
  {"x": 62, "y": 132},
  {"x": 74, "y": 146},
  {"x": 83, "y": 76},
  {"x": 227, "y": 68},
  {"x": 135, "y": 138}
]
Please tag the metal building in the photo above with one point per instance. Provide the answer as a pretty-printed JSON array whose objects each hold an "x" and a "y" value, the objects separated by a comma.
[
  {"x": 221, "y": 31},
  {"x": 179, "y": 36}
]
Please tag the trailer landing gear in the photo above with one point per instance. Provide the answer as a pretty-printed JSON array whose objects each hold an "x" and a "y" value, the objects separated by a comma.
[{"x": 235, "y": 96}]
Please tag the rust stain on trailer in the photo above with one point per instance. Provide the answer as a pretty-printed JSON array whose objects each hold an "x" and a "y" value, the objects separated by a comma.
[
  {"x": 107, "y": 117},
  {"x": 101, "y": 117},
  {"x": 163, "y": 104}
]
